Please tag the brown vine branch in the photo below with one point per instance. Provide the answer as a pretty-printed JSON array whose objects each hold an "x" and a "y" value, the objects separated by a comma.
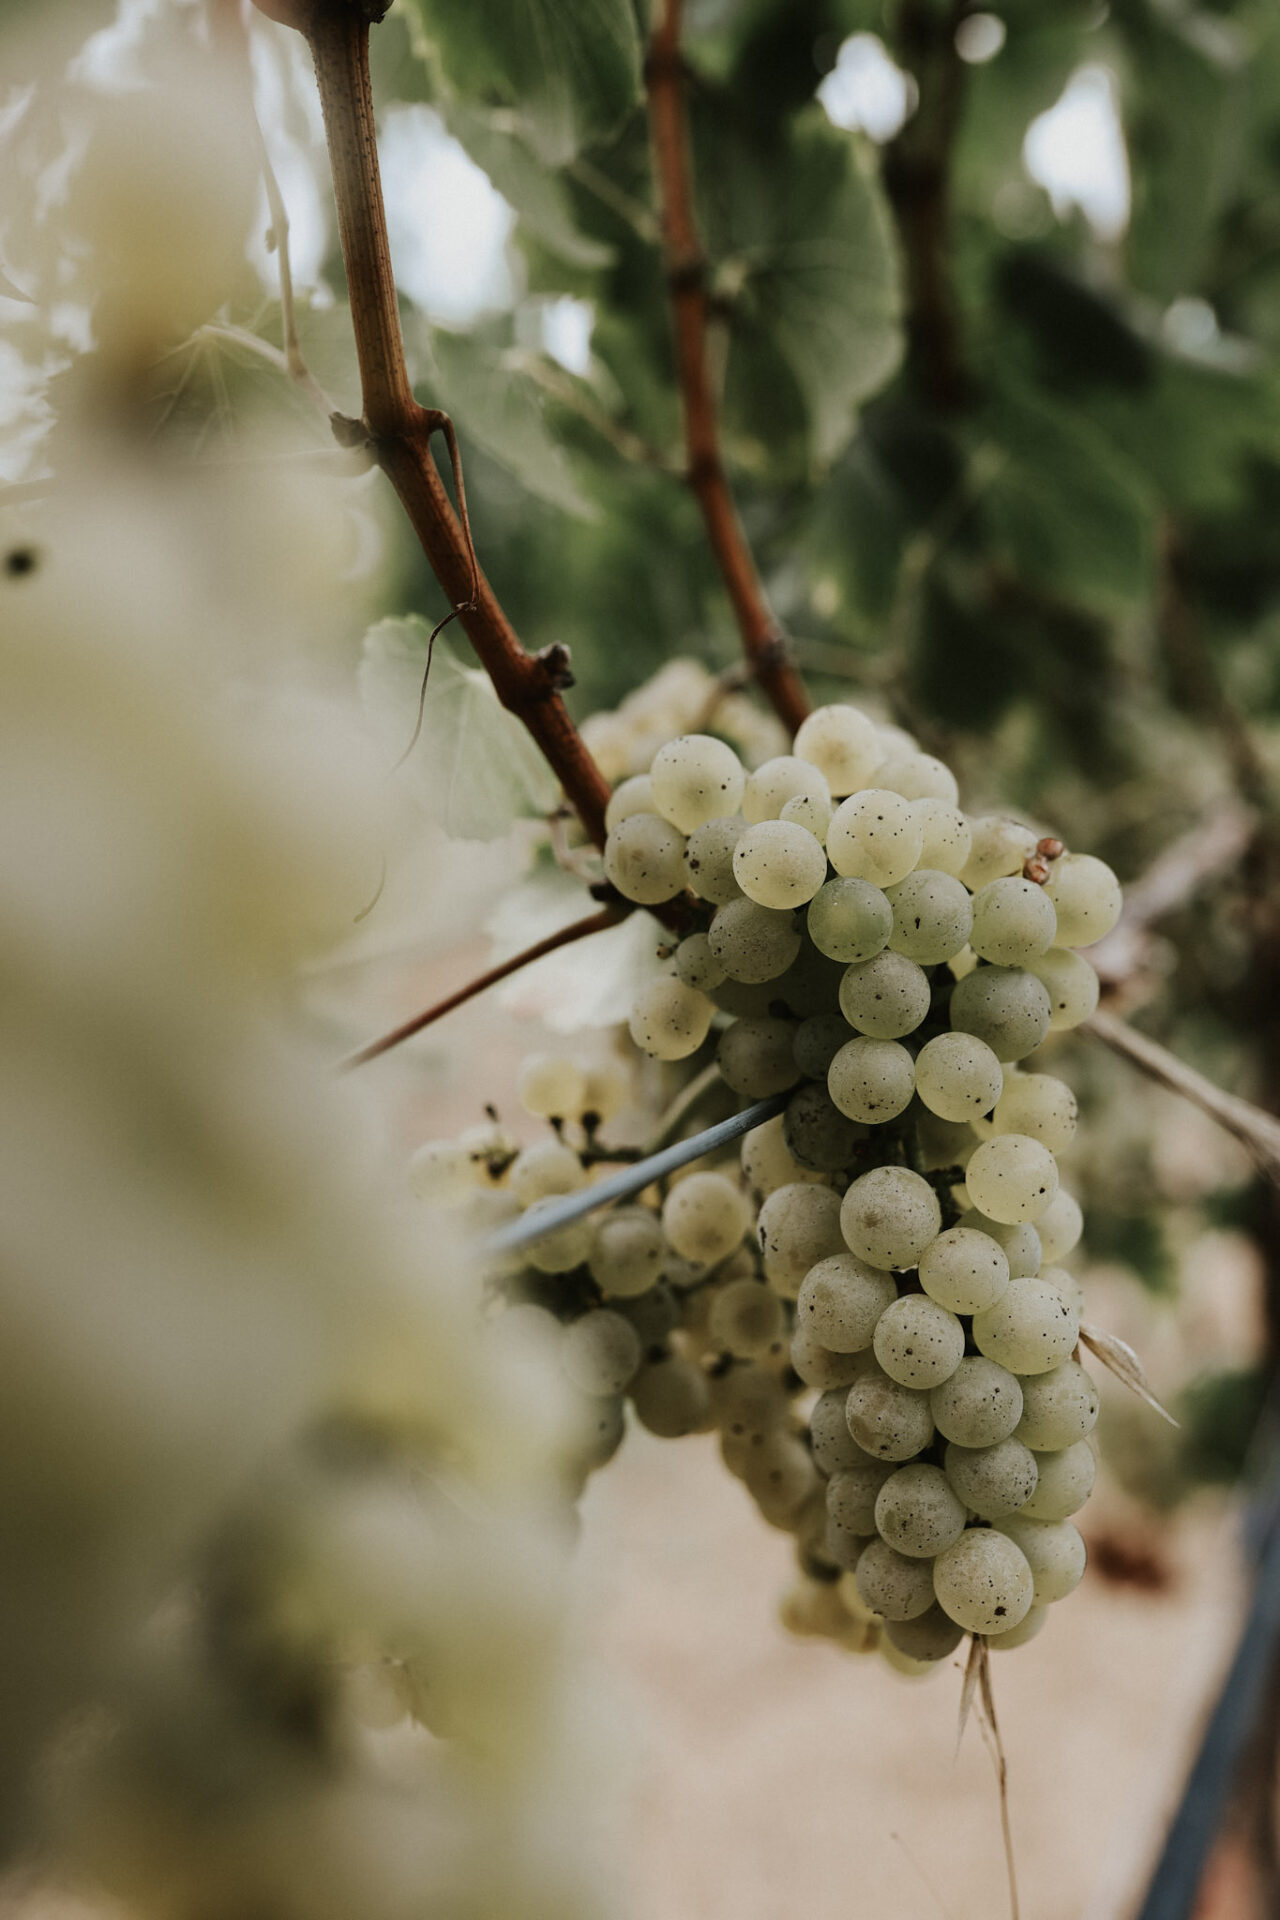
[
  {"x": 397, "y": 430},
  {"x": 577, "y": 930},
  {"x": 762, "y": 638}
]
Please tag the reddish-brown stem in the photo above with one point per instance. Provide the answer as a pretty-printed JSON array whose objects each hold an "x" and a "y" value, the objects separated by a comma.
[
  {"x": 396, "y": 428},
  {"x": 578, "y": 930},
  {"x": 762, "y": 638}
]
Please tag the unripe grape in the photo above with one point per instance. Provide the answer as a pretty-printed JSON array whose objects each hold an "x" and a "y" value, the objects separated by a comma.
[
  {"x": 980, "y": 1405},
  {"x": 784, "y": 778},
  {"x": 820, "y": 1366},
  {"x": 841, "y": 1546},
  {"x": 705, "y": 1217},
  {"x": 1054, "y": 1551},
  {"x": 756, "y": 1057},
  {"x": 851, "y": 1495},
  {"x": 893, "y": 1585},
  {"x": 746, "y": 1319},
  {"x": 917, "y": 776},
  {"x": 931, "y": 1636},
  {"x": 874, "y": 836},
  {"x": 843, "y": 744},
  {"x": 1039, "y": 1106},
  {"x": 885, "y": 997},
  {"x": 781, "y": 1477},
  {"x": 842, "y": 1299},
  {"x": 1058, "y": 1408},
  {"x": 768, "y": 1163},
  {"x": 697, "y": 965},
  {"x": 1012, "y": 1178},
  {"x": 834, "y": 1448},
  {"x": 798, "y": 1226},
  {"x": 817, "y": 1042},
  {"x": 888, "y": 1420},
  {"x": 669, "y": 1020},
  {"x": 1020, "y": 1240},
  {"x": 671, "y": 1398},
  {"x": 1013, "y": 922},
  {"x": 964, "y": 1271},
  {"x": 940, "y": 1143},
  {"x": 1065, "y": 1482},
  {"x": 1072, "y": 986},
  {"x": 983, "y": 1582},
  {"x": 1027, "y": 1629},
  {"x": 601, "y": 1352},
  {"x": 644, "y": 859},
  {"x": 1087, "y": 898},
  {"x": 918, "y": 1513},
  {"x": 749, "y": 1402},
  {"x": 632, "y": 796},
  {"x": 779, "y": 865},
  {"x": 811, "y": 812},
  {"x": 1060, "y": 1227},
  {"x": 889, "y": 1216},
  {"x": 1000, "y": 846},
  {"x": 754, "y": 943},
  {"x": 708, "y": 859},
  {"x": 849, "y": 920},
  {"x": 992, "y": 1481},
  {"x": 695, "y": 779},
  {"x": 958, "y": 1076},
  {"x": 871, "y": 1080},
  {"x": 627, "y": 1252},
  {"x": 918, "y": 1343},
  {"x": 817, "y": 1132},
  {"x": 563, "y": 1248},
  {"x": 932, "y": 915},
  {"x": 1031, "y": 1329},
  {"x": 1005, "y": 1006},
  {"x": 947, "y": 841},
  {"x": 546, "y": 1168}
]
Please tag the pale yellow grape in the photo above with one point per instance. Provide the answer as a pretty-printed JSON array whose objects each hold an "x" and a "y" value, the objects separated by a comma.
[
  {"x": 1013, "y": 922},
  {"x": 671, "y": 1398},
  {"x": 1005, "y": 1006},
  {"x": 746, "y": 1319},
  {"x": 798, "y": 1226},
  {"x": 812, "y": 1610},
  {"x": 874, "y": 836},
  {"x": 917, "y": 776},
  {"x": 886, "y": 997},
  {"x": 941, "y": 1143},
  {"x": 918, "y": 1343},
  {"x": 817, "y": 1132},
  {"x": 888, "y": 1420},
  {"x": 1020, "y": 1240},
  {"x": 695, "y": 779},
  {"x": 754, "y": 943},
  {"x": 705, "y": 1217},
  {"x": 893, "y": 1585},
  {"x": 843, "y": 744},
  {"x": 817, "y": 1042},
  {"x": 768, "y": 1163},
  {"x": 984, "y": 1582},
  {"x": 779, "y": 865},
  {"x": 697, "y": 966},
  {"x": 1087, "y": 897},
  {"x": 1040, "y": 1106},
  {"x": 563, "y": 1248},
  {"x": 1031, "y": 1329},
  {"x": 551, "y": 1086},
  {"x": 964, "y": 1271},
  {"x": 992, "y": 1481},
  {"x": 627, "y": 1252},
  {"x": 851, "y": 1494},
  {"x": 669, "y": 1020},
  {"x": 834, "y": 1448},
  {"x": 601, "y": 1352},
  {"x": 608, "y": 1083},
  {"x": 1059, "y": 1228},
  {"x": 820, "y": 1366},
  {"x": 787, "y": 777},
  {"x": 947, "y": 840},
  {"x": 708, "y": 859},
  {"x": 756, "y": 1057},
  {"x": 849, "y": 920},
  {"x": 1058, "y": 1408},
  {"x": 1068, "y": 1286},
  {"x": 549, "y": 1167},
  {"x": 889, "y": 1216},
  {"x": 443, "y": 1173},
  {"x": 958, "y": 1076},
  {"x": 1027, "y": 1629},
  {"x": 842, "y": 1547},
  {"x": 871, "y": 1080},
  {"x": 644, "y": 859},
  {"x": 781, "y": 1477},
  {"x": 841, "y": 1300},
  {"x": 999, "y": 846},
  {"x": 918, "y": 1513},
  {"x": 657, "y": 1312},
  {"x": 1072, "y": 986},
  {"x": 932, "y": 915},
  {"x": 1054, "y": 1551},
  {"x": 1012, "y": 1178},
  {"x": 931, "y": 1637},
  {"x": 810, "y": 812},
  {"x": 864, "y": 1617},
  {"x": 1065, "y": 1482},
  {"x": 749, "y": 1402},
  {"x": 633, "y": 796},
  {"x": 980, "y": 1405}
]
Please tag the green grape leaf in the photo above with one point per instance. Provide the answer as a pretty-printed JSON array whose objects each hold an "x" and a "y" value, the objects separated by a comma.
[
  {"x": 473, "y": 768},
  {"x": 568, "y": 69},
  {"x": 534, "y": 190}
]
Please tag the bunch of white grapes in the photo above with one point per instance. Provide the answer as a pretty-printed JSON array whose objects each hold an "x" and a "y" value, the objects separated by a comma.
[{"x": 857, "y": 942}]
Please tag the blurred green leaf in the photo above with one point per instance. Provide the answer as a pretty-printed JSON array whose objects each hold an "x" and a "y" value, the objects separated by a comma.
[{"x": 525, "y": 181}]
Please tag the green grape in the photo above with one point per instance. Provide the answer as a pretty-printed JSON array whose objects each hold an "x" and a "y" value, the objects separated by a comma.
[
  {"x": 843, "y": 744},
  {"x": 940, "y": 1143},
  {"x": 1000, "y": 846},
  {"x": 705, "y": 1217},
  {"x": 931, "y": 1636},
  {"x": 980, "y": 1405},
  {"x": 964, "y": 1271},
  {"x": 918, "y": 1513},
  {"x": 708, "y": 859},
  {"x": 816, "y": 1131},
  {"x": 695, "y": 779},
  {"x": 1054, "y": 1551},
  {"x": 1040, "y": 1106},
  {"x": 757, "y": 1058},
  {"x": 697, "y": 966},
  {"x": 601, "y": 1352},
  {"x": 1027, "y": 1629},
  {"x": 841, "y": 1545},
  {"x": 628, "y": 1252},
  {"x": 644, "y": 859},
  {"x": 1058, "y": 1408},
  {"x": 1005, "y": 1006},
  {"x": 852, "y": 1493},
  {"x": 958, "y": 1077},
  {"x": 874, "y": 836},
  {"x": 841, "y": 1299},
  {"x": 1072, "y": 986},
  {"x": 631, "y": 796},
  {"x": 889, "y": 1216},
  {"x": 749, "y": 1402},
  {"x": 932, "y": 915},
  {"x": 771, "y": 786},
  {"x": 754, "y": 943},
  {"x": 811, "y": 983},
  {"x": 780, "y": 1476},
  {"x": 820, "y": 1366},
  {"x": 1086, "y": 896},
  {"x": 1012, "y": 1178},
  {"x": 834, "y": 1448},
  {"x": 550, "y": 1086},
  {"x": 768, "y": 1163},
  {"x": 746, "y": 1319},
  {"x": 671, "y": 1398},
  {"x": 885, "y": 997},
  {"x": 992, "y": 1481},
  {"x": 1013, "y": 922},
  {"x": 918, "y": 1343},
  {"x": 547, "y": 1168},
  {"x": 811, "y": 812},
  {"x": 849, "y": 920},
  {"x": 654, "y": 1314},
  {"x": 778, "y": 864},
  {"x": 917, "y": 776},
  {"x": 983, "y": 1582},
  {"x": 818, "y": 1040},
  {"x": 871, "y": 1080},
  {"x": 1031, "y": 1329},
  {"x": 798, "y": 1226},
  {"x": 947, "y": 839},
  {"x": 1060, "y": 1227},
  {"x": 889, "y": 1421},
  {"x": 1065, "y": 1482},
  {"x": 563, "y": 1248},
  {"x": 893, "y": 1585},
  {"x": 1020, "y": 1240},
  {"x": 669, "y": 1020}
]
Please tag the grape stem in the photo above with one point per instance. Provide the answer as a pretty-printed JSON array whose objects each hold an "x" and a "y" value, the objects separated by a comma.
[
  {"x": 762, "y": 637},
  {"x": 394, "y": 427},
  {"x": 1257, "y": 1131},
  {"x": 577, "y": 930}
]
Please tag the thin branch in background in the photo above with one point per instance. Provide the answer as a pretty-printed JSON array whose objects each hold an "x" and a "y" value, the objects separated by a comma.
[
  {"x": 395, "y": 428},
  {"x": 634, "y": 212},
  {"x": 566, "y": 936},
  {"x": 762, "y": 637},
  {"x": 1257, "y": 1131}
]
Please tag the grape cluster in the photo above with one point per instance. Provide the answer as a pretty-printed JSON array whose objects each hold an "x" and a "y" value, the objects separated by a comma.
[{"x": 863, "y": 946}]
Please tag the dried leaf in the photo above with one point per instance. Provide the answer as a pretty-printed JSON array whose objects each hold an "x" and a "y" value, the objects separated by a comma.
[{"x": 1125, "y": 1364}]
